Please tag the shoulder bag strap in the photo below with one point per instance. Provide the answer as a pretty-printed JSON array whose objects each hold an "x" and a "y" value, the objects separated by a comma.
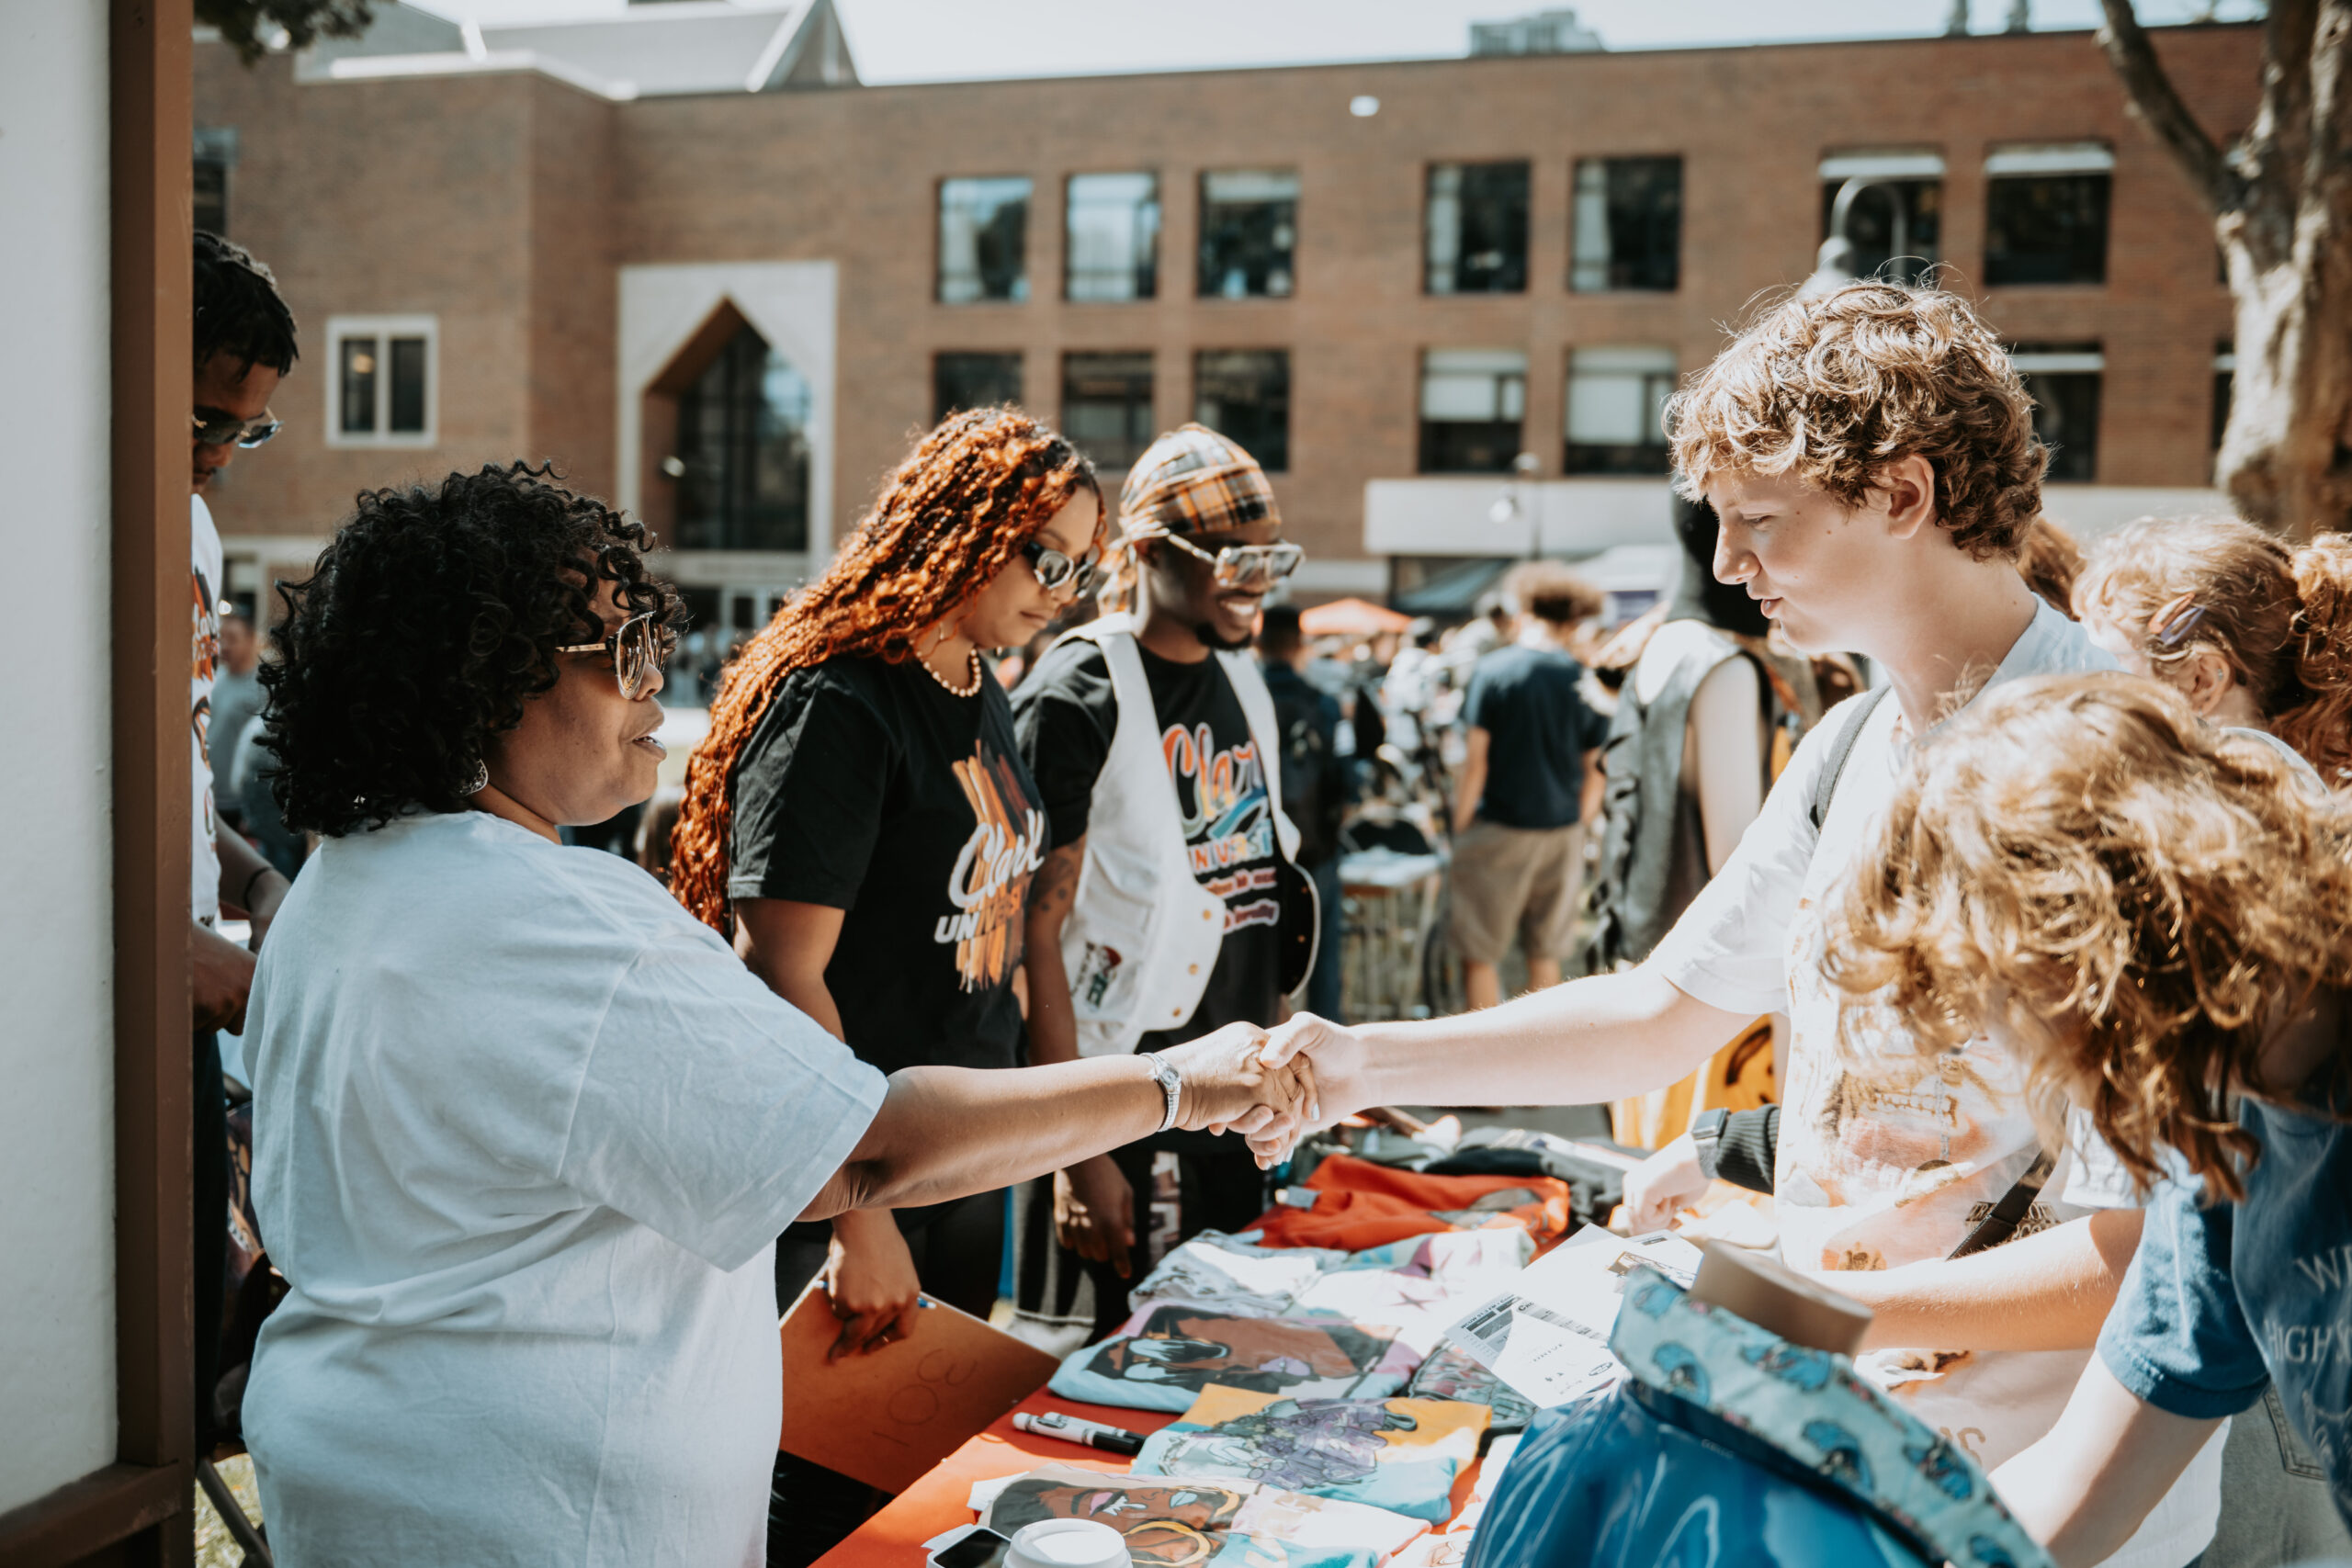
[
  {"x": 2009, "y": 1212},
  {"x": 1848, "y": 733}
]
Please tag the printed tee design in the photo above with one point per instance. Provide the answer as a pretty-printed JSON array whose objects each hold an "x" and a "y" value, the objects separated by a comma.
[
  {"x": 1165, "y": 1355},
  {"x": 867, "y": 789},
  {"x": 1177, "y": 1523},
  {"x": 1066, "y": 713},
  {"x": 1229, "y": 821},
  {"x": 1398, "y": 1454},
  {"x": 989, "y": 885},
  {"x": 205, "y": 573}
]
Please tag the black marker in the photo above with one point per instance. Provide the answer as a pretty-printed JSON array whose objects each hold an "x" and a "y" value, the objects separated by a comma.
[{"x": 1074, "y": 1430}]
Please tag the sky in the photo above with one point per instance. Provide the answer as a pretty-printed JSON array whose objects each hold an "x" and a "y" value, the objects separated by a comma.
[{"x": 947, "y": 41}]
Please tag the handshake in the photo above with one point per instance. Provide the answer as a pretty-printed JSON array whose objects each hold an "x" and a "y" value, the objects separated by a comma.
[{"x": 1272, "y": 1086}]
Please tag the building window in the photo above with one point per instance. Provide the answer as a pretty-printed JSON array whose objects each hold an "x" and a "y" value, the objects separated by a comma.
[
  {"x": 1106, "y": 406},
  {"x": 1249, "y": 229},
  {"x": 216, "y": 156},
  {"x": 1472, "y": 403},
  {"x": 1113, "y": 250},
  {"x": 1896, "y": 216},
  {"x": 2225, "y": 366},
  {"x": 1616, "y": 420},
  {"x": 2045, "y": 214},
  {"x": 983, "y": 240},
  {"x": 743, "y": 452},
  {"x": 382, "y": 380},
  {"x": 1244, "y": 393},
  {"x": 972, "y": 381},
  {"x": 2063, "y": 380},
  {"x": 1478, "y": 229},
  {"x": 1628, "y": 225}
]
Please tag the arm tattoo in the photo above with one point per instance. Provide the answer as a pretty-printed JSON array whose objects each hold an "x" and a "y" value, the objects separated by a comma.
[{"x": 1057, "y": 884}]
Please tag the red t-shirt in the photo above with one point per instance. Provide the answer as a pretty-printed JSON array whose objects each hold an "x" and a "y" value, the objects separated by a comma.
[{"x": 1359, "y": 1204}]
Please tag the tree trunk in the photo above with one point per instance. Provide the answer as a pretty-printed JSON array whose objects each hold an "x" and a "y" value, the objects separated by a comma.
[
  {"x": 2282, "y": 201},
  {"x": 2284, "y": 459}
]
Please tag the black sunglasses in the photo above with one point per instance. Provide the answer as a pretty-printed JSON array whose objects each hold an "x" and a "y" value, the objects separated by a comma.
[
  {"x": 1056, "y": 571},
  {"x": 638, "y": 648},
  {"x": 226, "y": 429}
]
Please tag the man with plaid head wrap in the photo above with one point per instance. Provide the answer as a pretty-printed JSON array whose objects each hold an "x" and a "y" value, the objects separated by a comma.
[{"x": 1171, "y": 903}]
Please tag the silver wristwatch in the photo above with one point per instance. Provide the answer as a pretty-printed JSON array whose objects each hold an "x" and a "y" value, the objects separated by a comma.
[{"x": 1172, "y": 1084}]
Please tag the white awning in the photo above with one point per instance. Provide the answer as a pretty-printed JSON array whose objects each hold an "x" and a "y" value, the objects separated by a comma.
[
  {"x": 1882, "y": 166},
  {"x": 2052, "y": 158}
]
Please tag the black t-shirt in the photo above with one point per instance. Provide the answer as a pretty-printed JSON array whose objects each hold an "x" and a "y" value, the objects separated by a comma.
[
  {"x": 1064, "y": 716},
  {"x": 1538, "y": 729},
  {"x": 869, "y": 788}
]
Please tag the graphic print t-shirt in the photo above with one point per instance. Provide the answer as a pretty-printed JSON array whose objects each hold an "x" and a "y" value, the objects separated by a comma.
[
  {"x": 870, "y": 789},
  {"x": 1066, "y": 716},
  {"x": 204, "y": 660}
]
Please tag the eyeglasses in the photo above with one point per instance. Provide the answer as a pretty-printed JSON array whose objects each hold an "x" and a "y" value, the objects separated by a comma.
[
  {"x": 638, "y": 648},
  {"x": 1243, "y": 566},
  {"x": 223, "y": 430},
  {"x": 1056, "y": 571}
]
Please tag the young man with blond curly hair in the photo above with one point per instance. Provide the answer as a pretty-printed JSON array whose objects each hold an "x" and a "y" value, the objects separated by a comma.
[{"x": 1872, "y": 456}]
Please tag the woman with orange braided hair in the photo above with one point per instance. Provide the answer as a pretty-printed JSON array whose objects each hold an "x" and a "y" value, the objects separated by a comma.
[{"x": 859, "y": 822}]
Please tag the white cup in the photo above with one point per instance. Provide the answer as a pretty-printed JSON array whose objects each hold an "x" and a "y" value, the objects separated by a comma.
[{"x": 1067, "y": 1543}]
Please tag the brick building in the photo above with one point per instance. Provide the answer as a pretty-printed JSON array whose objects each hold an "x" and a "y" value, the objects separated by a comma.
[{"x": 686, "y": 256}]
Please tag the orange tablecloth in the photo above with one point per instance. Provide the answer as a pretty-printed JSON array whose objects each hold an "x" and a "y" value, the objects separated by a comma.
[{"x": 894, "y": 1537}]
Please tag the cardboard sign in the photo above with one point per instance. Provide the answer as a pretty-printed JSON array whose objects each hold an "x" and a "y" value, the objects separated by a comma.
[{"x": 885, "y": 1419}]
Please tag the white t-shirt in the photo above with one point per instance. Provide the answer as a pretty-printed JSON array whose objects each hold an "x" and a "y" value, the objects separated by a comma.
[
  {"x": 204, "y": 658},
  {"x": 1883, "y": 1166},
  {"x": 524, "y": 1135}
]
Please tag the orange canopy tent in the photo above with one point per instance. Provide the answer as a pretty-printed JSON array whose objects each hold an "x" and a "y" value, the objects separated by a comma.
[{"x": 1351, "y": 617}]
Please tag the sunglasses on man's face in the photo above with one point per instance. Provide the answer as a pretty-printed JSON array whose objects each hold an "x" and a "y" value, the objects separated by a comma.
[
  {"x": 1244, "y": 566},
  {"x": 1056, "y": 571},
  {"x": 639, "y": 650},
  {"x": 228, "y": 430}
]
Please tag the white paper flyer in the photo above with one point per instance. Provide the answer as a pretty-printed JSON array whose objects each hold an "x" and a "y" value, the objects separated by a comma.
[{"x": 1548, "y": 1334}]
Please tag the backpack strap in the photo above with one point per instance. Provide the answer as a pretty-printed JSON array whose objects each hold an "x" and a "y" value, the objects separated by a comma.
[
  {"x": 1840, "y": 751},
  {"x": 2009, "y": 1214}
]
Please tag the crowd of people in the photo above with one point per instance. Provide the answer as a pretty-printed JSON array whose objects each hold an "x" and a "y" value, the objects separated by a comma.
[{"x": 1987, "y": 904}]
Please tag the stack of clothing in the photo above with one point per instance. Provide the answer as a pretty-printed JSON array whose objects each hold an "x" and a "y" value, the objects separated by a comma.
[{"x": 1322, "y": 1422}]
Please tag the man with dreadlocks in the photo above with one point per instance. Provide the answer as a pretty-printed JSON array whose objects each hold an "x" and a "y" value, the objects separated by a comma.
[
  {"x": 244, "y": 343},
  {"x": 1160, "y": 914}
]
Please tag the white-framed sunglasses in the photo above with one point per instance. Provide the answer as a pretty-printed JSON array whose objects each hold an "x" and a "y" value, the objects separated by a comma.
[{"x": 1242, "y": 566}]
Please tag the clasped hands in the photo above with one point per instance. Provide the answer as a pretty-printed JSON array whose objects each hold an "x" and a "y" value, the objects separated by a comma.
[{"x": 1272, "y": 1086}]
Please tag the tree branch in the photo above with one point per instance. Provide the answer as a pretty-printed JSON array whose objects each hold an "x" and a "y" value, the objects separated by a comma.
[{"x": 2158, "y": 106}]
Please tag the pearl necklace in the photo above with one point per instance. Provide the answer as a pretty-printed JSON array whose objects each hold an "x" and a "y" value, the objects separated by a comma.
[{"x": 969, "y": 689}]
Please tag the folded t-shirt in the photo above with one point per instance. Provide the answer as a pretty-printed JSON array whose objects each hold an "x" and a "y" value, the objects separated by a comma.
[
  {"x": 1199, "y": 1524},
  {"x": 1215, "y": 1269},
  {"x": 1422, "y": 1285},
  {"x": 1165, "y": 1355},
  {"x": 1398, "y": 1454},
  {"x": 1450, "y": 1374},
  {"x": 1361, "y": 1206}
]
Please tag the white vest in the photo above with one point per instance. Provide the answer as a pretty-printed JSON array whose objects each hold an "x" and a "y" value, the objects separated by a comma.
[{"x": 1143, "y": 934}]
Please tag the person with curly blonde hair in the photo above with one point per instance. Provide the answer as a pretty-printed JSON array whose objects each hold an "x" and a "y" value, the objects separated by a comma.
[
  {"x": 2255, "y": 631},
  {"x": 2157, "y": 915},
  {"x": 1869, "y": 453},
  {"x": 860, "y": 823}
]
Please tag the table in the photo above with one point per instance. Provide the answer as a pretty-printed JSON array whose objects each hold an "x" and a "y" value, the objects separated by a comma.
[{"x": 894, "y": 1537}]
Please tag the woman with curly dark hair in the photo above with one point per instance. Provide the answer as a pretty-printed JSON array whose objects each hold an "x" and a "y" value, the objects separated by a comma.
[
  {"x": 858, "y": 820},
  {"x": 525, "y": 1130}
]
